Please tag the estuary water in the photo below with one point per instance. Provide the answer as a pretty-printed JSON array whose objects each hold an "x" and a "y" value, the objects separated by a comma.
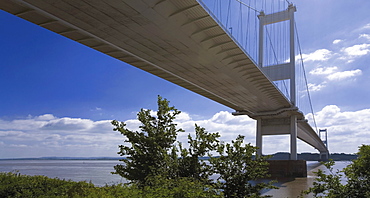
[
  {"x": 96, "y": 171},
  {"x": 99, "y": 173},
  {"x": 292, "y": 187}
]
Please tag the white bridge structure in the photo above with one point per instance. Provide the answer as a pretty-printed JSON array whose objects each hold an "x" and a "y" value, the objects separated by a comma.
[{"x": 183, "y": 42}]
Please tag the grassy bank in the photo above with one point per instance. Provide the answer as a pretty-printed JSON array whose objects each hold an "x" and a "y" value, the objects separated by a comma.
[{"x": 17, "y": 185}]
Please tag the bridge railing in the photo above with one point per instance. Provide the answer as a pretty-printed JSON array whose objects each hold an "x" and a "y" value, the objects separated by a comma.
[{"x": 237, "y": 20}]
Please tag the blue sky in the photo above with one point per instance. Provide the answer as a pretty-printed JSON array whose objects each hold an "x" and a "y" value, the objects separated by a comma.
[{"x": 57, "y": 96}]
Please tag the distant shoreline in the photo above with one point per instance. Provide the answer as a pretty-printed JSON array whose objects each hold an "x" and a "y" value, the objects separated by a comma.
[
  {"x": 276, "y": 156},
  {"x": 65, "y": 158}
]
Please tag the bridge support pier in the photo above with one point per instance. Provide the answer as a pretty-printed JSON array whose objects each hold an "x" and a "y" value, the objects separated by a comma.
[
  {"x": 287, "y": 168},
  {"x": 324, "y": 156},
  {"x": 271, "y": 125}
]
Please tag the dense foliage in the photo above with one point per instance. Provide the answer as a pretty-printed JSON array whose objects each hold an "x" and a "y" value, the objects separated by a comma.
[
  {"x": 237, "y": 168},
  {"x": 148, "y": 152},
  {"x": 13, "y": 185},
  {"x": 17, "y": 185},
  {"x": 153, "y": 153},
  {"x": 356, "y": 177}
]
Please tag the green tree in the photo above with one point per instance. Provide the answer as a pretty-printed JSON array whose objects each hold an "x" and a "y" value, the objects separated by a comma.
[
  {"x": 154, "y": 158},
  {"x": 191, "y": 163},
  {"x": 356, "y": 175},
  {"x": 153, "y": 151},
  {"x": 327, "y": 184},
  {"x": 238, "y": 171},
  {"x": 150, "y": 147}
]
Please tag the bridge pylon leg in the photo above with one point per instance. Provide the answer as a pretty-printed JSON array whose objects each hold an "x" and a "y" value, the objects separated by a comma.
[
  {"x": 324, "y": 156},
  {"x": 271, "y": 125},
  {"x": 259, "y": 137},
  {"x": 293, "y": 137}
]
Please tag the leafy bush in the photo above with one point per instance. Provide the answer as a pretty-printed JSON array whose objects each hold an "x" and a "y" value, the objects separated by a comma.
[
  {"x": 184, "y": 187},
  {"x": 17, "y": 186},
  {"x": 152, "y": 153},
  {"x": 357, "y": 177},
  {"x": 236, "y": 168}
]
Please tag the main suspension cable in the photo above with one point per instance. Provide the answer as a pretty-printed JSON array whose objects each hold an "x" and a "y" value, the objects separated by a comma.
[
  {"x": 305, "y": 77},
  {"x": 254, "y": 9}
]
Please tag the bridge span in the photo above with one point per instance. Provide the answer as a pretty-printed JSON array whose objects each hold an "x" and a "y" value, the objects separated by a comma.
[{"x": 181, "y": 42}]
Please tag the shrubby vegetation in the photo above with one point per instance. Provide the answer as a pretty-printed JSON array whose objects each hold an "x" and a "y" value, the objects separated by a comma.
[
  {"x": 17, "y": 185},
  {"x": 155, "y": 158},
  {"x": 14, "y": 185},
  {"x": 356, "y": 177}
]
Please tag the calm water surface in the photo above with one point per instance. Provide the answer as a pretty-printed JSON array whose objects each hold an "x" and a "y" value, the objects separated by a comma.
[
  {"x": 292, "y": 187},
  {"x": 98, "y": 172}
]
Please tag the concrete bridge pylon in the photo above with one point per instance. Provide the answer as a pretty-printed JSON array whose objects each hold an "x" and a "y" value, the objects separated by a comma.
[
  {"x": 286, "y": 120},
  {"x": 279, "y": 124}
]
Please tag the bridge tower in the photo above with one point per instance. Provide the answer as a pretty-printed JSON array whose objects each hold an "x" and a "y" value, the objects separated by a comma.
[
  {"x": 283, "y": 121},
  {"x": 324, "y": 138}
]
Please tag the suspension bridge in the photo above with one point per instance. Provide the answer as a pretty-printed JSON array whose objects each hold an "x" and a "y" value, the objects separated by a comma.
[{"x": 241, "y": 54}]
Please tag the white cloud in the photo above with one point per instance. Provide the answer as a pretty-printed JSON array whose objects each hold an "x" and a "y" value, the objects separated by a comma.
[
  {"x": 367, "y": 26},
  {"x": 336, "y": 41},
  {"x": 366, "y": 36},
  {"x": 332, "y": 74},
  {"x": 96, "y": 138},
  {"x": 45, "y": 117},
  {"x": 357, "y": 50},
  {"x": 133, "y": 124},
  {"x": 344, "y": 74},
  {"x": 313, "y": 87},
  {"x": 324, "y": 71},
  {"x": 40, "y": 131},
  {"x": 318, "y": 55},
  {"x": 18, "y": 145},
  {"x": 52, "y": 136},
  {"x": 224, "y": 122},
  {"x": 183, "y": 117},
  {"x": 346, "y": 130},
  {"x": 68, "y": 124}
]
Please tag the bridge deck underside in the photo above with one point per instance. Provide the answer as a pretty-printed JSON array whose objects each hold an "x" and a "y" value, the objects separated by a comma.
[{"x": 176, "y": 40}]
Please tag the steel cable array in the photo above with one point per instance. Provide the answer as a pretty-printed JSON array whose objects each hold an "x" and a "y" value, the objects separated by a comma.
[{"x": 240, "y": 20}]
